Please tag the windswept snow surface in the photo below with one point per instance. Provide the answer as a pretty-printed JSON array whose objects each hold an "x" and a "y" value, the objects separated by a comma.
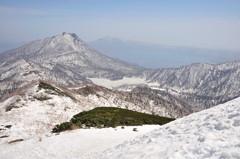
[
  {"x": 212, "y": 133},
  {"x": 80, "y": 143}
]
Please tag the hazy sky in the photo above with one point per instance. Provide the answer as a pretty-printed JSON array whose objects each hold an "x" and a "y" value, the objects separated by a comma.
[{"x": 198, "y": 23}]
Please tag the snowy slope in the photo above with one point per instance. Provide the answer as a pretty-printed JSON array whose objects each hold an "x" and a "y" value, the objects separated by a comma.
[
  {"x": 212, "y": 133},
  {"x": 75, "y": 144},
  {"x": 33, "y": 111},
  {"x": 30, "y": 117}
]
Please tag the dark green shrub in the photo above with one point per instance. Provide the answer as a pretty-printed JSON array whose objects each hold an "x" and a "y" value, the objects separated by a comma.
[
  {"x": 79, "y": 124},
  {"x": 111, "y": 117},
  {"x": 135, "y": 129},
  {"x": 56, "y": 90},
  {"x": 4, "y": 136},
  {"x": 8, "y": 108},
  {"x": 42, "y": 98},
  {"x": 8, "y": 126},
  {"x": 15, "y": 141},
  {"x": 63, "y": 127},
  {"x": 47, "y": 86}
]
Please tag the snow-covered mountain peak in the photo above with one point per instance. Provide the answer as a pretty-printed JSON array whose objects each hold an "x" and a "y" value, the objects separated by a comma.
[
  {"x": 52, "y": 46},
  {"x": 69, "y": 53},
  {"x": 71, "y": 37},
  {"x": 74, "y": 41}
]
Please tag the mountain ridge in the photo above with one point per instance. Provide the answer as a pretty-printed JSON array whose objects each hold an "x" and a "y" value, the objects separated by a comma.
[
  {"x": 35, "y": 108},
  {"x": 65, "y": 59}
]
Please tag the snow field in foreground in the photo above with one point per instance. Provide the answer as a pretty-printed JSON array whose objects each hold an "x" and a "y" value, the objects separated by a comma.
[
  {"x": 212, "y": 133},
  {"x": 72, "y": 144}
]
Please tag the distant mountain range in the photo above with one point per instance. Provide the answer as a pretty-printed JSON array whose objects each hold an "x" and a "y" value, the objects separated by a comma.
[
  {"x": 200, "y": 85},
  {"x": 161, "y": 56},
  {"x": 66, "y": 60}
]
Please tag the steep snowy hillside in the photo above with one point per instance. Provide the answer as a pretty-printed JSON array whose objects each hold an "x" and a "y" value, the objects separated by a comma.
[
  {"x": 33, "y": 110},
  {"x": 212, "y": 133},
  {"x": 200, "y": 85},
  {"x": 15, "y": 74},
  {"x": 196, "y": 86}
]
